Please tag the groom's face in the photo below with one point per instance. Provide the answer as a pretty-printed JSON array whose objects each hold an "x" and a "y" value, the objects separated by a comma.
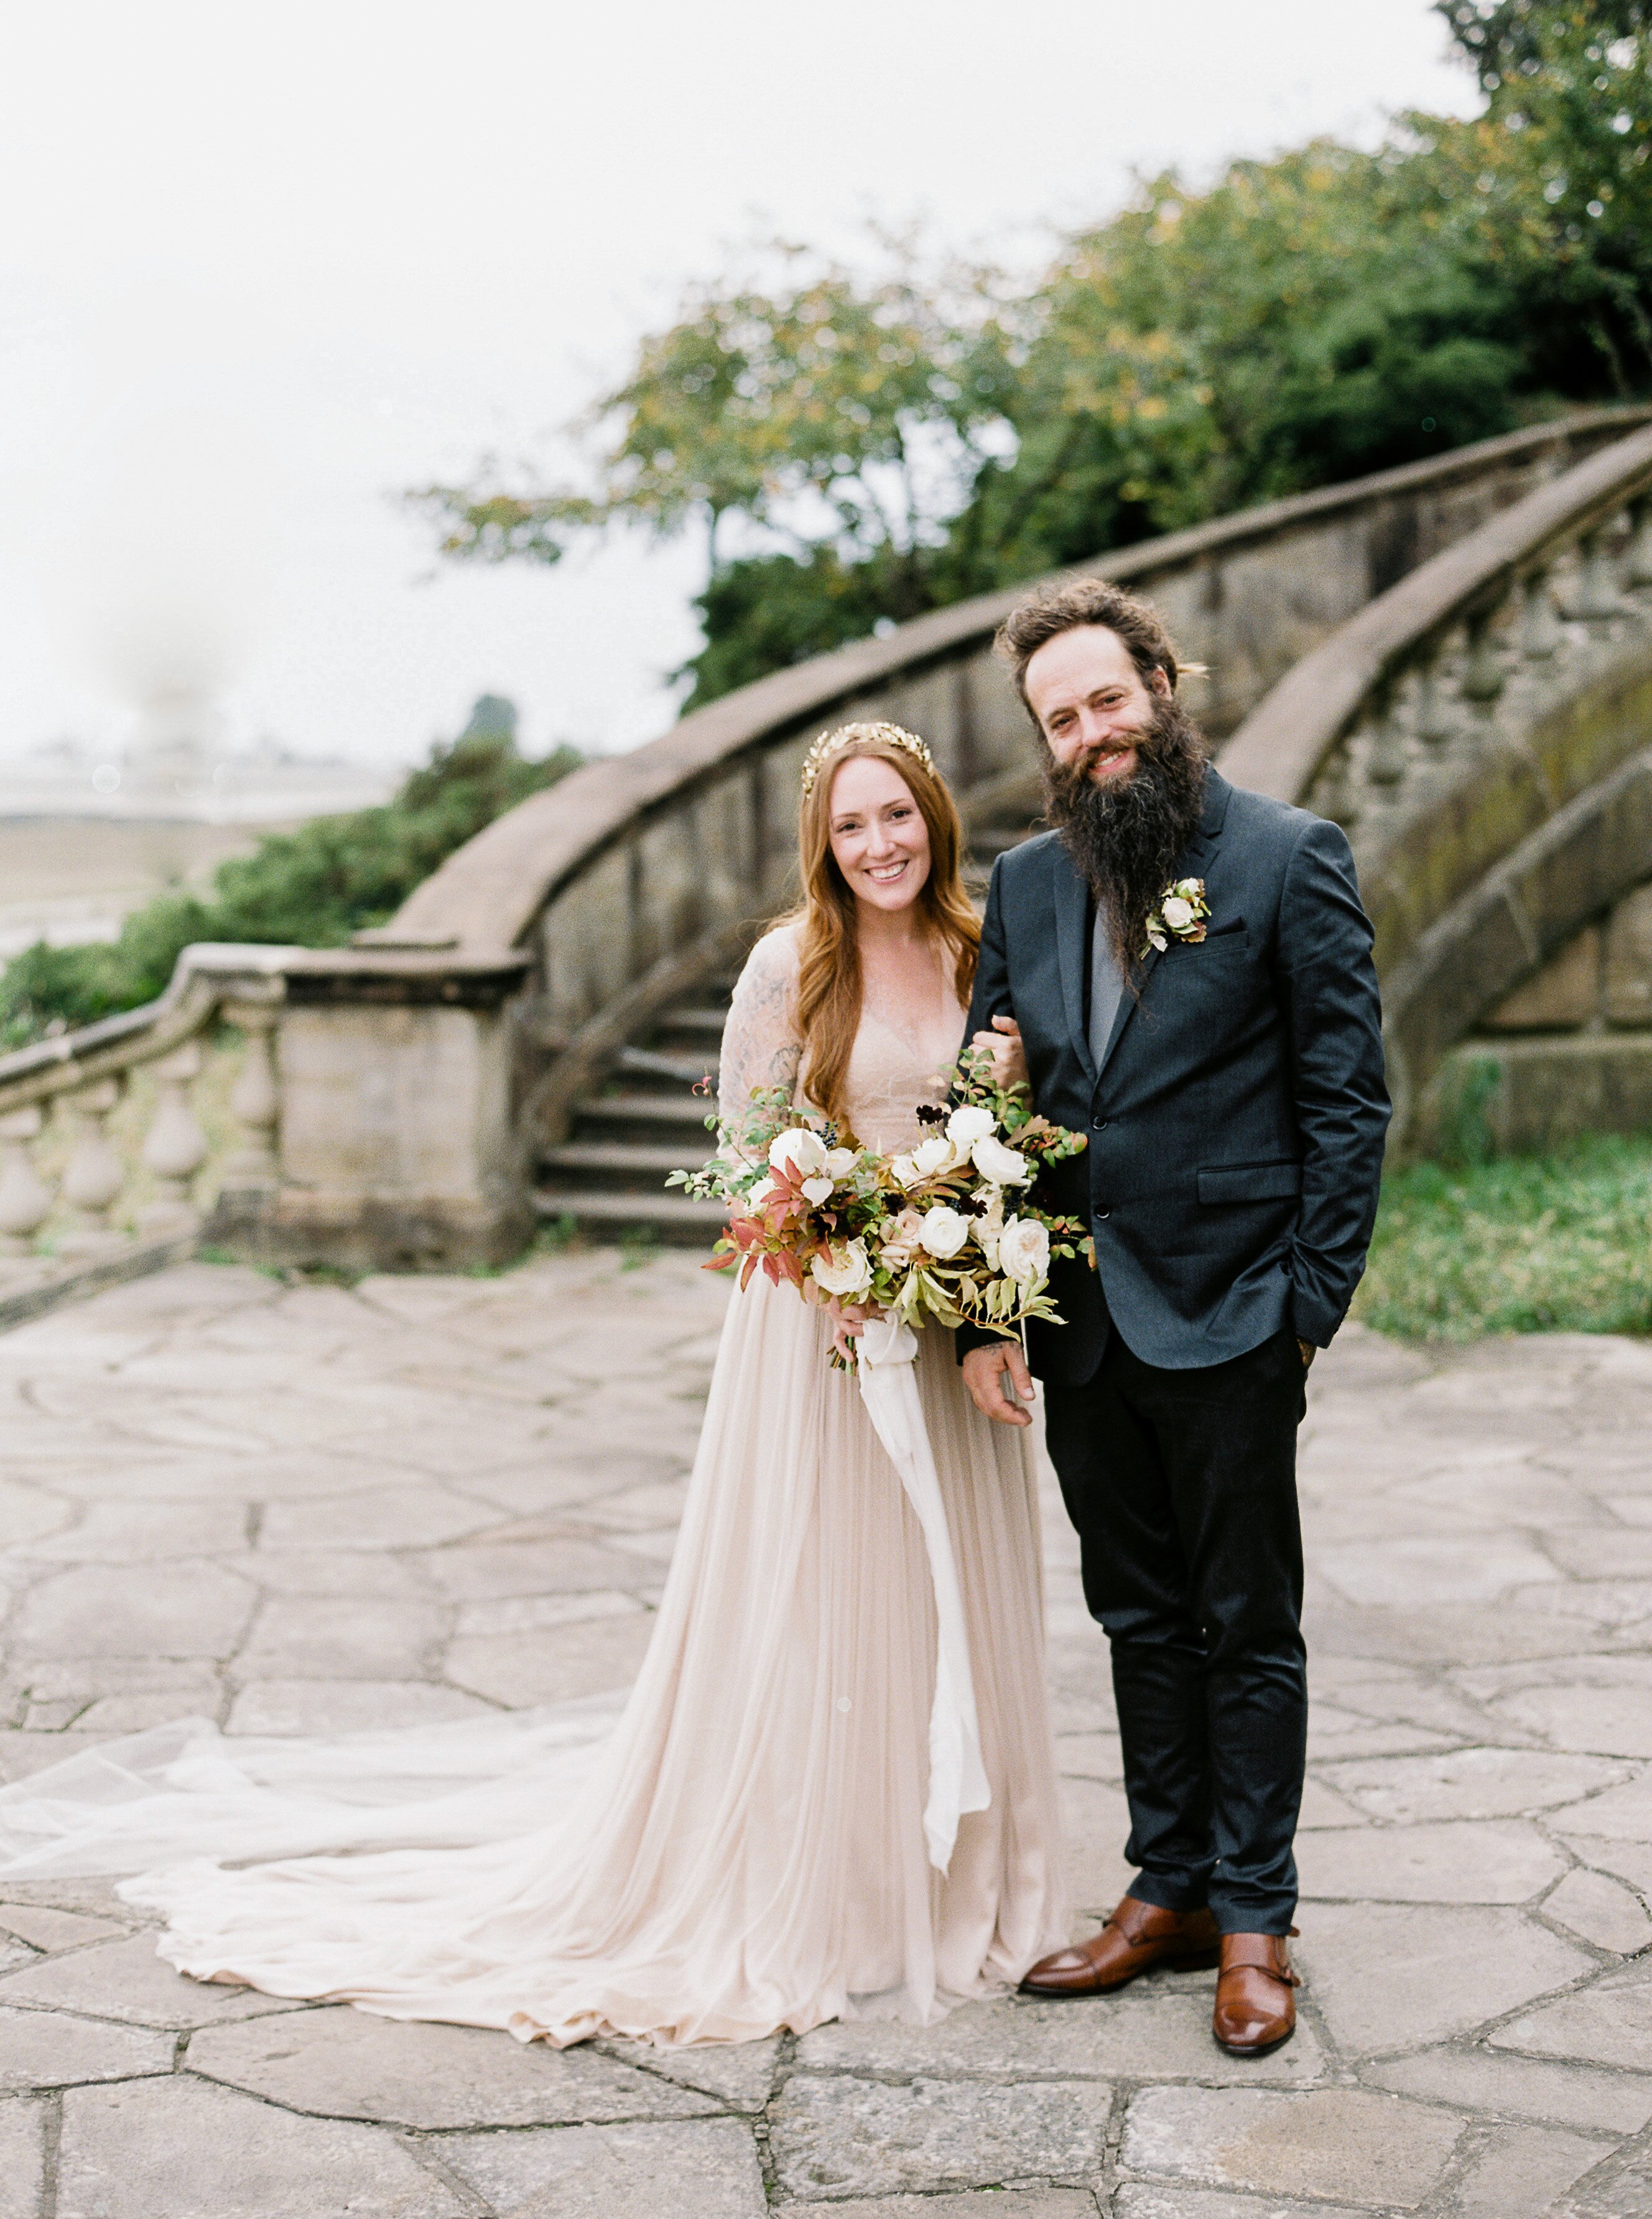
[{"x": 1093, "y": 705}]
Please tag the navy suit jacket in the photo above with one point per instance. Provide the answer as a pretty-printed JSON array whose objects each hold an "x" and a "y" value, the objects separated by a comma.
[{"x": 1236, "y": 1121}]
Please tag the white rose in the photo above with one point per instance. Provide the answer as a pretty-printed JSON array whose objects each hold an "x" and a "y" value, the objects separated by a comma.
[
  {"x": 933, "y": 1156},
  {"x": 1003, "y": 1166},
  {"x": 816, "y": 1190},
  {"x": 839, "y": 1161},
  {"x": 968, "y": 1125},
  {"x": 804, "y": 1150},
  {"x": 945, "y": 1231},
  {"x": 846, "y": 1271},
  {"x": 1178, "y": 913},
  {"x": 1024, "y": 1251},
  {"x": 905, "y": 1171},
  {"x": 757, "y": 1196}
]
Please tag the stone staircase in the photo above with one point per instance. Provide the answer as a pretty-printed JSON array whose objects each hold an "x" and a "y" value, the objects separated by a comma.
[{"x": 607, "y": 1180}]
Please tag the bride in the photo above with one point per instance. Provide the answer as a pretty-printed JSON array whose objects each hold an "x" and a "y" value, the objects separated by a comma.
[{"x": 744, "y": 1849}]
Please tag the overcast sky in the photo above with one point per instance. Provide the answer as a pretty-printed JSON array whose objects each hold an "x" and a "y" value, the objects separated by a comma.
[{"x": 261, "y": 266}]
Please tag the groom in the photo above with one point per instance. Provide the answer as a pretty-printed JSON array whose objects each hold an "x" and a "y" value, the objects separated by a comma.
[{"x": 1231, "y": 1085}]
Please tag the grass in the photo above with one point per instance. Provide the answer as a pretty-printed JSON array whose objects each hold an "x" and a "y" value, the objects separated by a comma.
[{"x": 1559, "y": 1243}]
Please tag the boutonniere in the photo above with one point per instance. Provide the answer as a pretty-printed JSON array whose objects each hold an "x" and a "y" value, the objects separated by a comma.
[{"x": 1180, "y": 915}]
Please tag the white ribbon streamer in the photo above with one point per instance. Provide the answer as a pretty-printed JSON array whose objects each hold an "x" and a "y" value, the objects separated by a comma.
[{"x": 889, "y": 1387}]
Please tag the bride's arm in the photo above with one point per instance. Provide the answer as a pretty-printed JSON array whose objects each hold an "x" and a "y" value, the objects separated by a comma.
[{"x": 760, "y": 1045}]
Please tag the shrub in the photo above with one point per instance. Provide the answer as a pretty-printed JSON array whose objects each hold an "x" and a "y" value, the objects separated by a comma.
[{"x": 313, "y": 887}]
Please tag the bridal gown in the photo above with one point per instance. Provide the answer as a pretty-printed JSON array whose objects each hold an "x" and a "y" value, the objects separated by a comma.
[{"x": 739, "y": 1848}]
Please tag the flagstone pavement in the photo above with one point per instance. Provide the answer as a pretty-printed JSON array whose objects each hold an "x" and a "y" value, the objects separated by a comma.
[{"x": 298, "y": 1508}]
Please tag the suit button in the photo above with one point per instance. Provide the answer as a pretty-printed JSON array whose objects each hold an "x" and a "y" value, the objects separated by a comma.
[
  {"x": 1103, "y": 1213},
  {"x": 1100, "y": 1123}
]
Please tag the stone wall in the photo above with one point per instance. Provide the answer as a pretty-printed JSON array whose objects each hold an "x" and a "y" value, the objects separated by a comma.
[{"x": 1567, "y": 1051}]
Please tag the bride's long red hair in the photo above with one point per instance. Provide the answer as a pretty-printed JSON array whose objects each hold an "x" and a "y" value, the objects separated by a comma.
[{"x": 830, "y": 977}]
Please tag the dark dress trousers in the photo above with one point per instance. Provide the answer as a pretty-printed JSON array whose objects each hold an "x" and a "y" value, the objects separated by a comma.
[{"x": 1236, "y": 1120}]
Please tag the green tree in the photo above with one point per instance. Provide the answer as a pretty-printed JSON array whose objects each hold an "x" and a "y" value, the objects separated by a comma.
[
  {"x": 313, "y": 887},
  {"x": 822, "y": 430},
  {"x": 1557, "y": 178},
  {"x": 857, "y": 450}
]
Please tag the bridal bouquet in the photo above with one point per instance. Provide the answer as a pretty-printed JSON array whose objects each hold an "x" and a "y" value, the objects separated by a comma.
[{"x": 945, "y": 1230}]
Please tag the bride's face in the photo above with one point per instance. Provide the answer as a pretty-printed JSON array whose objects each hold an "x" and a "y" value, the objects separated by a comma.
[{"x": 879, "y": 839}]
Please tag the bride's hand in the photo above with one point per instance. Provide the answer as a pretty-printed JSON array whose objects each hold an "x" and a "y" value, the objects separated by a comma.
[
  {"x": 1009, "y": 1056},
  {"x": 849, "y": 1323}
]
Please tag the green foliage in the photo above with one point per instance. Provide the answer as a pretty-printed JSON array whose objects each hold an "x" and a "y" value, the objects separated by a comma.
[
  {"x": 313, "y": 887},
  {"x": 768, "y": 611},
  {"x": 858, "y": 448},
  {"x": 829, "y": 410},
  {"x": 1525, "y": 1244}
]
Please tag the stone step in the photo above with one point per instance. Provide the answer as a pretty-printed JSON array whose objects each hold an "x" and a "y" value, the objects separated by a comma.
[
  {"x": 648, "y": 1120},
  {"x": 675, "y": 1220},
  {"x": 630, "y": 1164},
  {"x": 700, "y": 1024},
  {"x": 671, "y": 1069}
]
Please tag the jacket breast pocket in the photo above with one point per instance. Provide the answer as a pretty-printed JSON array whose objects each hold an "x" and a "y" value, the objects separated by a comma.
[{"x": 1276, "y": 1181}]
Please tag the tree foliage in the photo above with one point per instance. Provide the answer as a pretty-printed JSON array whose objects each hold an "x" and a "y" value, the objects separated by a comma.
[
  {"x": 312, "y": 887},
  {"x": 858, "y": 448}
]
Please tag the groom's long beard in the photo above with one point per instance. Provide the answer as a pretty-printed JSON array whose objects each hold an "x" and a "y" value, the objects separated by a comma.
[{"x": 1126, "y": 835}]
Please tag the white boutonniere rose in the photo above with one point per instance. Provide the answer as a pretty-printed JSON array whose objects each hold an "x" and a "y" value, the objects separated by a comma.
[
  {"x": 1179, "y": 914},
  {"x": 847, "y": 1271}
]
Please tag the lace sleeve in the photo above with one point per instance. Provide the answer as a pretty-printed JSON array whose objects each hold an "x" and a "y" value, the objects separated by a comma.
[{"x": 760, "y": 1046}]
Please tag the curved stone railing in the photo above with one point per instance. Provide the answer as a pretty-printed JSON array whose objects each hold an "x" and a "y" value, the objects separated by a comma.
[
  {"x": 1477, "y": 729},
  {"x": 78, "y": 1079},
  {"x": 636, "y": 878}
]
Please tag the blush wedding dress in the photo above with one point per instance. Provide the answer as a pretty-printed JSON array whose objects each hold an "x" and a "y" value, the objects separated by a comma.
[{"x": 738, "y": 1846}]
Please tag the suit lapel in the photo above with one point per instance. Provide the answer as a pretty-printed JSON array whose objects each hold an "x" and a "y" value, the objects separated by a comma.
[
  {"x": 1072, "y": 950},
  {"x": 1202, "y": 845}
]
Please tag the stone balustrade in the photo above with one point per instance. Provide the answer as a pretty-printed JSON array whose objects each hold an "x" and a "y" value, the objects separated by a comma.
[
  {"x": 83, "y": 1198},
  {"x": 371, "y": 1121},
  {"x": 1389, "y": 651},
  {"x": 636, "y": 879},
  {"x": 1480, "y": 731}
]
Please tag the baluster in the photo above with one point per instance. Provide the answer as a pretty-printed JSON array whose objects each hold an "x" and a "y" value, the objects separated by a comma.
[
  {"x": 1432, "y": 718},
  {"x": 95, "y": 1175},
  {"x": 1597, "y": 588},
  {"x": 252, "y": 1168},
  {"x": 25, "y": 1198},
  {"x": 1483, "y": 675},
  {"x": 1637, "y": 567},
  {"x": 1339, "y": 797},
  {"x": 1385, "y": 763},
  {"x": 175, "y": 1148},
  {"x": 1542, "y": 633}
]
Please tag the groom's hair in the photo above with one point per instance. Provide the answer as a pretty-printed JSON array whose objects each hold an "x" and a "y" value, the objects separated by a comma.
[{"x": 1048, "y": 610}]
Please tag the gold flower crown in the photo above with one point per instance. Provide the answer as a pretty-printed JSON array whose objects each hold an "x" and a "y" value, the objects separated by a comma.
[{"x": 846, "y": 736}]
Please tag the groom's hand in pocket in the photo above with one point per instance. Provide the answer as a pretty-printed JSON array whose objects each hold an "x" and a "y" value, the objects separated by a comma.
[{"x": 983, "y": 1370}]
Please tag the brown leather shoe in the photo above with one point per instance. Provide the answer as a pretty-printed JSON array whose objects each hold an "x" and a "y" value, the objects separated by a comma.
[
  {"x": 1255, "y": 1994},
  {"x": 1137, "y": 1935}
]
